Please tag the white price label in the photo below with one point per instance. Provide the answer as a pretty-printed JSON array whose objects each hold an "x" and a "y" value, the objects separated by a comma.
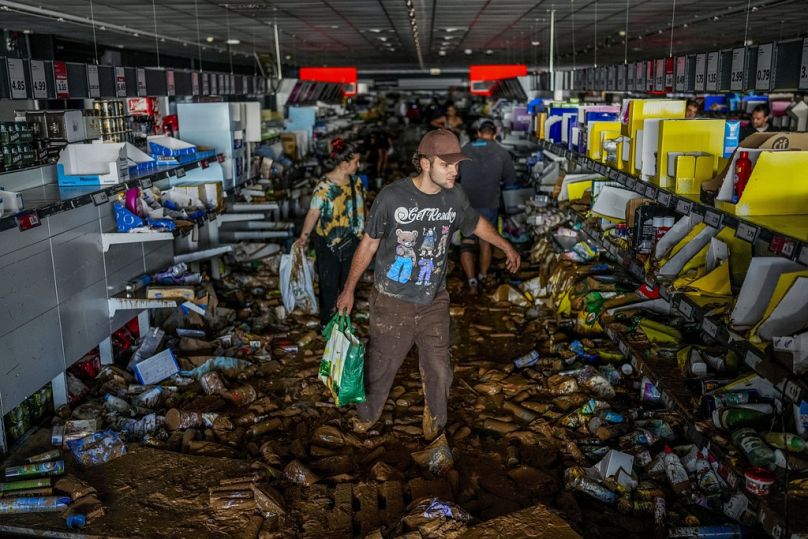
[
  {"x": 712, "y": 71},
  {"x": 651, "y": 192},
  {"x": 631, "y": 73},
  {"x": 804, "y": 66},
  {"x": 752, "y": 359},
  {"x": 803, "y": 257},
  {"x": 180, "y": 173},
  {"x": 686, "y": 309},
  {"x": 763, "y": 75},
  {"x": 701, "y": 68},
  {"x": 621, "y": 77},
  {"x": 664, "y": 198},
  {"x": 120, "y": 82},
  {"x": 245, "y": 85},
  {"x": 746, "y": 232},
  {"x": 712, "y": 218},
  {"x": 736, "y": 76},
  {"x": 194, "y": 83},
  {"x": 709, "y": 327},
  {"x": 788, "y": 248},
  {"x": 205, "y": 84},
  {"x": 38, "y": 84},
  {"x": 649, "y": 75},
  {"x": 639, "y": 79},
  {"x": 170, "y": 82},
  {"x": 660, "y": 75},
  {"x": 93, "y": 84},
  {"x": 630, "y": 183},
  {"x": 683, "y": 206},
  {"x": 681, "y": 75},
  {"x": 639, "y": 187},
  {"x": 792, "y": 391},
  {"x": 100, "y": 198},
  {"x": 16, "y": 78}
]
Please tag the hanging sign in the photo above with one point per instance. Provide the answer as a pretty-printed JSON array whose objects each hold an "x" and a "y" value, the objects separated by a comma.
[
  {"x": 681, "y": 75},
  {"x": 701, "y": 67},
  {"x": 763, "y": 76},
  {"x": 93, "y": 84},
  {"x": 141, "y": 82},
  {"x": 16, "y": 78},
  {"x": 38, "y": 84},
  {"x": 120, "y": 82},
  {"x": 205, "y": 84},
  {"x": 736, "y": 75},
  {"x": 60, "y": 77},
  {"x": 194, "y": 83},
  {"x": 659, "y": 83},
  {"x": 712, "y": 71},
  {"x": 170, "y": 82},
  {"x": 804, "y": 66}
]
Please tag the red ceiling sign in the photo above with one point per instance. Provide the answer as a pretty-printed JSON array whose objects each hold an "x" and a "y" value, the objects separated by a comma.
[
  {"x": 338, "y": 75},
  {"x": 482, "y": 77}
]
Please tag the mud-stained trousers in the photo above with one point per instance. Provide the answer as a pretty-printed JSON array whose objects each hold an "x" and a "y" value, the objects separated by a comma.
[{"x": 395, "y": 326}]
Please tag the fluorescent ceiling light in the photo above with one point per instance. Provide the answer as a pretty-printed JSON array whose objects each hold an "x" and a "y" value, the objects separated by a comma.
[
  {"x": 233, "y": 42},
  {"x": 535, "y": 43},
  {"x": 467, "y": 51},
  {"x": 209, "y": 39},
  {"x": 441, "y": 53}
]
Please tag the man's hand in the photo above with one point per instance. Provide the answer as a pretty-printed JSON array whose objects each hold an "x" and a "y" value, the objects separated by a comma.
[
  {"x": 302, "y": 241},
  {"x": 513, "y": 258},
  {"x": 345, "y": 302}
]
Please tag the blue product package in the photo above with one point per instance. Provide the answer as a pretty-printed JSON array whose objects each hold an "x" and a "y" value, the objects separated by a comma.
[
  {"x": 162, "y": 224},
  {"x": 97, "y": 448},
  {"x": 732, "y": 137},
  {"x": 125, "y": 219}
]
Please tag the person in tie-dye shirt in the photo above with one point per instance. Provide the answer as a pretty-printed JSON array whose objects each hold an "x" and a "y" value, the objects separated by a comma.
[{"x": 336, "y": 216}]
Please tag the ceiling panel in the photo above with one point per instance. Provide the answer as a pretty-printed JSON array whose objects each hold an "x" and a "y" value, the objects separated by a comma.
[{"x": 377, "y": 33}]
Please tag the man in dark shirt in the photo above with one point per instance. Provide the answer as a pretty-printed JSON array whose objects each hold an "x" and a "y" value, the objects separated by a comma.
[
  {"x": 408, "y": 231},
  {"x": 760, "y": 122},
  {"x": 489, "y": 166}
]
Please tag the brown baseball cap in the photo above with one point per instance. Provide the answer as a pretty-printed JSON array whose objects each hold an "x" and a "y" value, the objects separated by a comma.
[{"x": 442, "y": 143}]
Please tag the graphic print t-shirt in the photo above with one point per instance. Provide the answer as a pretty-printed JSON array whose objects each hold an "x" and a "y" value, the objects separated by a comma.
[
  {"x": 415, "y": 230},
  {"x": 336, "y": 205}
]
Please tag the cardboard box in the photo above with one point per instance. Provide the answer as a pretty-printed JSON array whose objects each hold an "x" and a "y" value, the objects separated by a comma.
[
  {"x": 641, "y": 109},
  {"x": 289, "y": 141},
  {"x": 92, "y": 164},
  {"x": 156, "y": 368},
  {"x": 779, "y": 141},
  {"x": 693, "y": 137},
  {"x": 171, "y": 292},
  {"x": 210, "y": 193}
]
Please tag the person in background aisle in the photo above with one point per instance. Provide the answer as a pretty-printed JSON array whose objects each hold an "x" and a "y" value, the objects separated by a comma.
[
  {"x": 759, "y": 123},
  {"x": 408, "y": 230},
  {"x": 450, "y": 120},
  {"x": 337, "y": 218},
  {"x": 489, "y": 166},
  {"x": 692, "y": 109}
]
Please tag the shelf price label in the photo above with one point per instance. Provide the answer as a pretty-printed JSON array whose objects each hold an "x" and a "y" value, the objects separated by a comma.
[
  {"x": 736, "y": 72},
  {"x": 145, "y": 183},
  {"x": 763, "y": 76},
  {"x": 746, "y": 232},
  {"x": 195, "y": 83},
  {"x": 804, "y": 66},
  {"x": 792, "y": 391},
  {"x": 205, "y": 84},
  {"x": 709, "y": 327},
  {"x": 683, "y": 206},
  {"x": 659, "y": 78},
  {"x": 651, "y": 192},
  {"x": 180, "y": 173},
  {"x": 60, "y": 78},
  {"x": 120, "y": 82},
  {"x": 16, "y": 78},
  {"x": 27, "y": 220},
  {"x": 701, "y": 67},
  {"x": 664, "y": 198},
  {"x": 713, "y": 218},
  {"x": 686, "y": 309},
  {"x": 752, "y": 359},
  {"x": 639, "y": 187},
  {"x": 100, "y": 198},
  {"x": 803, "y": 257},
  {"x": 38, "y": 84},
  {"x": 630, "y": 183}
]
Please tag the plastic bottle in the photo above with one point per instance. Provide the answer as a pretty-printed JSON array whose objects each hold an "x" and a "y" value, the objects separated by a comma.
[
  {"x": 526, "y": 360},
  {"x": 76, "y": 521},
  {"x": 675, "y": 471},
  {"x": 44, "y": 457},
  {"x": 743, "y": 169},
  {"x": 111, "y": 402},
  {"x": 727, "y": 531},
  {"x": 755, "y": 449},
  {"x": 37, "y": 504},
  {"x": 731, "y": 398},
  {"x": 575, "y": 478},
  {"x": 781, "y": 440},
  {"x": 734, "y": 418},
  {"x": 705, "y": 476},
  {"x": 54, "y": 467}
]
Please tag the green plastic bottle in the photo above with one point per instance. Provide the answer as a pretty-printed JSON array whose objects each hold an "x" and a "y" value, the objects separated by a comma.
[
  {"x": 755, "y": 449},
  {"x": 786, "y": 440}
]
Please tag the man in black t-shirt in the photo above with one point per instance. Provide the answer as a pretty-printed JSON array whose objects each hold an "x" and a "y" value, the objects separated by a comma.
[{"x": 408, "y": 231}]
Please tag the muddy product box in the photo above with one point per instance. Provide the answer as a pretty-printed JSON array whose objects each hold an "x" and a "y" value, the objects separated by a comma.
[{"x": 156, "y": 368}]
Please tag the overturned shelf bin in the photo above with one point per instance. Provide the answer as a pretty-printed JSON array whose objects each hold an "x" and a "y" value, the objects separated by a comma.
[
  {"x": 115, "y": 238},
  {"x": 138, "y": 302},
  {"x": 197, "y": 256}
]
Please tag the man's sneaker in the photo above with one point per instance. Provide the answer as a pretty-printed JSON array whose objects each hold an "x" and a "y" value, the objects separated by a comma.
[{"x": 473, "y": 287}]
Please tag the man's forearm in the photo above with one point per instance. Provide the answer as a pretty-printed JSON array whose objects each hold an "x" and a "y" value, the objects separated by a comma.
[
  {"x": 486, "y": 232},
  {"x": 361, "y": 260}
]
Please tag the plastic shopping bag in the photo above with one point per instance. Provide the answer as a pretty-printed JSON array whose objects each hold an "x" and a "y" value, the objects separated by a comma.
[
  {"x": 297, "y": 288},
  {"x": 344, "y": 361}
]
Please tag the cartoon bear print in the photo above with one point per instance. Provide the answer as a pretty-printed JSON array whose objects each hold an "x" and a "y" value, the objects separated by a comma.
[
  {"x": 402, "y": 267},
  {"x": 444, "y": 230},
  {"x": 428, "y": 245}
]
